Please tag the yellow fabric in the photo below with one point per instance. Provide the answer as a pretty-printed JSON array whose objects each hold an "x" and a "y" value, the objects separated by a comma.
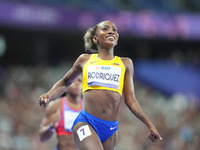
[{"x": 103, "y": 74}]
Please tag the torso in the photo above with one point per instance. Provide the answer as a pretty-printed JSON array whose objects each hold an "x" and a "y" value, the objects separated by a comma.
[
  {"x": 103, "y": 104},
  {"x": 64, "y": 134}
]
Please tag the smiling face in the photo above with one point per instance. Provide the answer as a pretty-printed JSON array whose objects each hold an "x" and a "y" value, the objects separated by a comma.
[{"x": 106, "y": 35}]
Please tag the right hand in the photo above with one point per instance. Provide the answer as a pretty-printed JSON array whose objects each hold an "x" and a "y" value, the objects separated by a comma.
[{"x": 43, "y": 100}]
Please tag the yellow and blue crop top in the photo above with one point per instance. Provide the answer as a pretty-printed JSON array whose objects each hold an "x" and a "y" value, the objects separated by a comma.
[{"x": 103, "y": 74}]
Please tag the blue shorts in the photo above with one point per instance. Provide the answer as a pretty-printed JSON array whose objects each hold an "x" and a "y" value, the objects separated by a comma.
[{"x": 103, "y": 128}]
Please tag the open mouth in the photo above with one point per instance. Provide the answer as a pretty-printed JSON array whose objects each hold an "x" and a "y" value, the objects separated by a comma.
[{"x": 110, "y": 37}]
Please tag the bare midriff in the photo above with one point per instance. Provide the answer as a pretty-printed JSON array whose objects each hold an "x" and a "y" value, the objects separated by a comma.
[{"x": 103, "y": 104}]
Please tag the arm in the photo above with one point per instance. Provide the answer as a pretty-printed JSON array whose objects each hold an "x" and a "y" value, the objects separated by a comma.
[
  {"x": 50, "y": 121},
  {"x": 132, "y": 103},
  {"x": 62, "y": 85}
]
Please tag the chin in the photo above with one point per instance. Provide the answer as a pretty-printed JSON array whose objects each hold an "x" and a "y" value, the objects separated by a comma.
[{"x": 111, "y": 44}]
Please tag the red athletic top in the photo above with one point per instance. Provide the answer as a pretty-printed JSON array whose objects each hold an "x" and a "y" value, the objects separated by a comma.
[{"x": 68, "y": 115}]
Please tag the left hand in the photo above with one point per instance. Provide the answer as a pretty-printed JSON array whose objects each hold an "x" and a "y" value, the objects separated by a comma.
[
  {"x": 43, "y": 100},
  {"x": 154, "y": 135}
]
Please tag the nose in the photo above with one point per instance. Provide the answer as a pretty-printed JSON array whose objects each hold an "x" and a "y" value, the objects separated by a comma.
[{"x": 111, "y": 31}]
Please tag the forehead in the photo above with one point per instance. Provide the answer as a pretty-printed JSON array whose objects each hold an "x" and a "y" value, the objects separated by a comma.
[{"x": 106, "y": 23}]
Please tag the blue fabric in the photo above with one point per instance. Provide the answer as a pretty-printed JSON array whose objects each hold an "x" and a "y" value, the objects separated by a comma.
[{"x": 103, "y": 128}]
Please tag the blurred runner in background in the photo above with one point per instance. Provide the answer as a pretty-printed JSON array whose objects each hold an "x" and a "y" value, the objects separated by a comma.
[{"x": 60, "y": 115}]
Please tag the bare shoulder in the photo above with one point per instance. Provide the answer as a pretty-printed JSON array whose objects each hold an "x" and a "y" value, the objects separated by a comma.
[
  {"x": 127, "y": 61},
  {"x": 82, "y": 59}
]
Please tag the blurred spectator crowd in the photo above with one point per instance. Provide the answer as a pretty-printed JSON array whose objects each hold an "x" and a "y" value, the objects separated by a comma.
[
  {"x": 177, "y": 117},
  {"x": 118, "y": 5}
]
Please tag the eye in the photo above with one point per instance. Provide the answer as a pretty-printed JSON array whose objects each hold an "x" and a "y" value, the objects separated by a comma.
[
  {"x": 105, "y": 29},
  {"x": 114, "y": 29}
]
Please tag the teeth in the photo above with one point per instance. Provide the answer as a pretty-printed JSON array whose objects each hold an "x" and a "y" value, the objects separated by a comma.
[{"x": 111, "y": 37}]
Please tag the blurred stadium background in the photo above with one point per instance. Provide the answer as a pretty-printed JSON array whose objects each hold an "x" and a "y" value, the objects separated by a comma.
[{"x": 40, "y": 39}]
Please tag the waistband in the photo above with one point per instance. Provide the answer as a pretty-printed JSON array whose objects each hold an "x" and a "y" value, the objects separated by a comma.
[{"x": 98, "y": 119}]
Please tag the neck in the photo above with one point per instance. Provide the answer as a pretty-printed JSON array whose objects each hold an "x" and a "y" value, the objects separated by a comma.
[{"x": 106, "y": 54}]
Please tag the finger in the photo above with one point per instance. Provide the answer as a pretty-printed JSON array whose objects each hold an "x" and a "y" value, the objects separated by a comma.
[
  {"x": 41, "y": 97},
  {"x": 46, "y": 100},
  {"x": 158, "y": 137},
  {"x": 42, "y": 104},
  {"x": 153, "y": 137},
  {"x": 150, "y": 137}
]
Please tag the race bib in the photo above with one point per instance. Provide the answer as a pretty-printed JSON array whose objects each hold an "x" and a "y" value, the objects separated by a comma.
[{"x": 104, "y": 76}]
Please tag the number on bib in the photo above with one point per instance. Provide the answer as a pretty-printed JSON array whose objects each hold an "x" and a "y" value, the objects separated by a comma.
[{"x": 83, "y": 132}]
